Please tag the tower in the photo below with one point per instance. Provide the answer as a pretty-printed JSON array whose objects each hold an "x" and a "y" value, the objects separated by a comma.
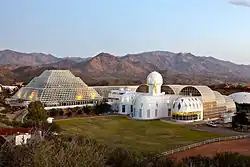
[{"x": 154, "y": 82}]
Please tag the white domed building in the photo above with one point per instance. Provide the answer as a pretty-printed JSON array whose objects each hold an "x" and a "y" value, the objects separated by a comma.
[
  {"x": 183, "y": 103},
  {"x": 187, "y": 109},
  {"x": 147, "y": 106}
]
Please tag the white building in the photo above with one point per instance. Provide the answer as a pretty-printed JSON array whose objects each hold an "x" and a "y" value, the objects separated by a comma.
[
  {"x": 187, "y": 109},
  {"x": 116, "y": 98},
  {"x": 146, "y": 106},
  {"x": 183, "y": 103},
  {"x": 22, "y": 139}
]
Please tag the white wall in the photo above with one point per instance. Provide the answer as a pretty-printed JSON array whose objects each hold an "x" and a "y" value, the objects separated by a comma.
[
  {"x": 22, "y": 139},
  {"x": 71, "y": 106},
  {"x": 126, "y": 100},
  {"x": 148, "y": 107}
]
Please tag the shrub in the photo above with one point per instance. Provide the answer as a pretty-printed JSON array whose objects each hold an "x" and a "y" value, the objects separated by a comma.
[
  {"x": 74, "y": 110},
  {"x": 69, "y": 113},
  {"x": 154, "y": 161},
  {"x": 61, "y": 112},
  {"x": 101, "y": 108},
  {"x": 87, "y": 109},
  {"x": 4, "y": 111},
  {"x": 2, "y": 116},
  {"x": 119, "y": 157},
  {"x": 53, "y": 127},
  {"x": 53, "y": 112},
  {"x": 27, "y": 124},
  {"x": 57, "y": 152},
  {"x": 80, "y": 111}
]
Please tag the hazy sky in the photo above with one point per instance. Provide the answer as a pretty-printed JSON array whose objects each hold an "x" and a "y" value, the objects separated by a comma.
[{"x": 84, "y": 28}]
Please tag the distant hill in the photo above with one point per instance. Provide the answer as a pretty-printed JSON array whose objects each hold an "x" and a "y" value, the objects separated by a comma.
[
  {"x": 107, "y": 69},
  {"x": 76, "y": 59},
  {"x": 16, "y": 58}
]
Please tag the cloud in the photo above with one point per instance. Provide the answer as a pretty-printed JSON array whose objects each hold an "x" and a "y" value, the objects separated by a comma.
[{"x": 240, "y": 3}]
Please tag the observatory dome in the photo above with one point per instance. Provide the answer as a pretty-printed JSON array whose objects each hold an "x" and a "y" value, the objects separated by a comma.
[{"x": 154, "y": 78}]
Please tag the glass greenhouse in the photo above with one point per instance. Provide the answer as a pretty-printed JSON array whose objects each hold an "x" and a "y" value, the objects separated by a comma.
[{"x": 58, "y": 88}]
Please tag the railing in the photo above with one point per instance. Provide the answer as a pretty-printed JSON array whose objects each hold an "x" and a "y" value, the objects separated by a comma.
[{"x": 188, "y": 147}]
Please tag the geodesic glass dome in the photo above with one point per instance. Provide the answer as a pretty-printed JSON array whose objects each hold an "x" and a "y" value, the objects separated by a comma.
[{"x": 58, "y": 88}]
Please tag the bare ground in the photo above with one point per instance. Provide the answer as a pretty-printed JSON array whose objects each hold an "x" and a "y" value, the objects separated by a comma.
[{"x": 240, "y": 146}]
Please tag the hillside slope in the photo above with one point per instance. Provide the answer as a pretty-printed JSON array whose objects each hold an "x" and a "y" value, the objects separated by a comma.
[{"x": 106, "y": 69}]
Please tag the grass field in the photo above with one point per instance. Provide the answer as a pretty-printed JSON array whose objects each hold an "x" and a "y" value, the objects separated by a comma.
[{"x": 143, "y": 136}]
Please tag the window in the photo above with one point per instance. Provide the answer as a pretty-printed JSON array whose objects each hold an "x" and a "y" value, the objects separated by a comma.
[
  {"x": 157, "y": 105},
  {"x": 169, "y": 112},
  {"x": 123, "y": 108},
  {"x": 148, "y": 113},
  {"x": 179, "y": 106},
  {"x": 131, "y": 108},
  {"x": 156, "y": 113},
  {"x": 140, "y": 113}
]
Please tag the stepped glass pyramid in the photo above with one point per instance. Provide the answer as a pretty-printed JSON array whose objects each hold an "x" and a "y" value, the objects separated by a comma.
[{"x": 58, "y": 88}]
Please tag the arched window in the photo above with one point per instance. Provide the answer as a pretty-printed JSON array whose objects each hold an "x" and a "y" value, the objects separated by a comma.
[
  {"x": 148, "y": 113},
  {"x": 167, "y": 89},
  {"x": 189, "y": 90}
]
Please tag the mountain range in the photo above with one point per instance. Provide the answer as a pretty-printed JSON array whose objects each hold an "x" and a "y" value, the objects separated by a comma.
[{"x": 107, "y": 69}]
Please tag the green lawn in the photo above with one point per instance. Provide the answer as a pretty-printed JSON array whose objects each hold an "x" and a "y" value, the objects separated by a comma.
[{"x": 144, "y": 136}]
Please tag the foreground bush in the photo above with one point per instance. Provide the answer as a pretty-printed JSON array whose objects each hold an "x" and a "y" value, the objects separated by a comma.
[
  {"x": 57, "y": 152},
  {"x": 84, "y": 152}
]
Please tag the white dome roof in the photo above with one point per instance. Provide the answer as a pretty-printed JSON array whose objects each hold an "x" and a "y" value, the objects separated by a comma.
[
  {"x": 241, "y": 97},
  {"x": 187, "y": 104},
  {"x": 154, "y": 78}
]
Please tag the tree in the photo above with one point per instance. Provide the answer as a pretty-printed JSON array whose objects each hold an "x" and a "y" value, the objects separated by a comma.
[
  {"x": 86, "y": 110},
  {"x": 60, "y": 111},
  {"x": 120, "y": 157},
  {"x": 58, "y": 151},
  {"x": 240, "y": 119},
  {"x": 53, "y": 112},
  {"x": 37, "y": 114},
  {"x": 102, "y": 108}
]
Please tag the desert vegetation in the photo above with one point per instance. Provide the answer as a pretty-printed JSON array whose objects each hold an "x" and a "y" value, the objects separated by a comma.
[
  {"x": 98, "y": 109},
  {"x": 85, "y": 152}
]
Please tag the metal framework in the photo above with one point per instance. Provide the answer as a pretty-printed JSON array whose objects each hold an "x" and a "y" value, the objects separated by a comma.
[{"x": 58, "y": 88}]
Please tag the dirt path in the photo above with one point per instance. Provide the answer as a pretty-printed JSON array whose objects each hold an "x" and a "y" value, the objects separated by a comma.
[{"x": 240, "y": 146}]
